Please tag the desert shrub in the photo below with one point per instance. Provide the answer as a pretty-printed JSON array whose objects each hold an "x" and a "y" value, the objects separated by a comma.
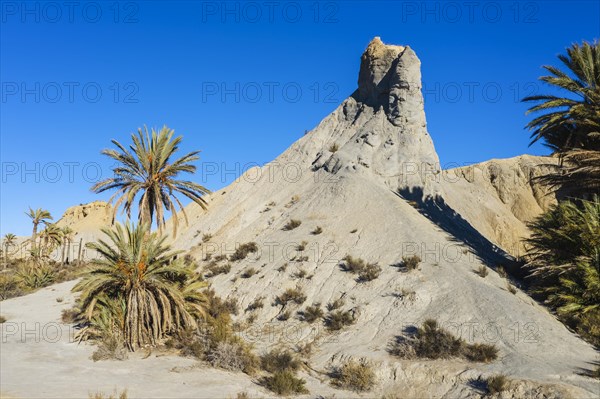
[
  {"x": 242, "y": 395},
  {"x": 355, "y": 376},
  {"x": 480, "y": 352},
  {"x": 282, "y": 268},
  {"x": 318, "y": 230},
  {"x": 258, "y": 303},
  {"x": 243, "y": 250},
  {"x": 189, "y": 343},
  {"x": 206, "y": 237},
  {"x": 114, "y": 395},
  {"x": 338, "y": 303},
  {"x": 433, "y": 342},
  {"x": 220, "y": 258},
  {"x": 291, "y": 295},
  {"x": 501, "y": 272},
  {"x": 353, "y": 231},
  {"x": 482, "y": 271},
  {"x": 366, "y": 271},
  {"x": 2, "y": 319},
  {"x": 232, "y": 356},
  {"x": 337, "y": 320},
  {"x": 352, "y": 265},
  {"x": 9, "y": 286},
  {"x": 511, "y": 288},
  {"x": 110, "y": 347},
  {"x": 292, "y": 224},
  {"x": 311, "y": 313},
  {"x": 496, "y": 384},
  {"x": 214, "y": 269},
  {"x": 410, "y": 262},
  {"x": 279, "y": 360},
  {"x": 302, "y": 246},
  {"x": 408, "y": 294},
  {"x": 217, "y": 306},
  {"x": 301, "y": 273},
  {"x": 293, "y": 201},
  {"x": 301, "y": 259},
  {"x": 249, "y": 272},
  {"x": 285, "y": 315},
  {"x": 284, "y": 383},
  {"x": 369, "y": 273},
  {"x": 333, "y": 148}
]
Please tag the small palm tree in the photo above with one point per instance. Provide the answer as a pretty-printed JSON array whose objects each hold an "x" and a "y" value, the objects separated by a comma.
[
  {"x": 136, "y": 268},
  {"x": 9, "y": 240},
  {"x": 50, "y": 238},
  {"x": 67, "y": 237},
  {"x": 37, "y": 216},
  {"x": 573, "y": 120},
  {"x": 148, "y": 169}
]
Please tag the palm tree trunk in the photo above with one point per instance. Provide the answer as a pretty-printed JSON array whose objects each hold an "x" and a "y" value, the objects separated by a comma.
[
  {"x": 68, "y": 249},
  {"x": 64, "y": 244},
  {"x": 80, "y": 249},
  {"x": 33, "y": 236}
]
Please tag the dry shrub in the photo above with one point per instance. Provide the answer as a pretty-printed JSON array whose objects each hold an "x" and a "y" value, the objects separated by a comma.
[
  {"x": 337, "y": 320},
  {"x": 284, "y": 383},
  {"x": 291, "y": 295},
  {"x": 114, "y": 395},
  {"x": 279, "y": 360},
  {"x": 496, "y": 384},
  {"x": 243, "y": 250},
  {"x": 355, "y": 376},
  {"x": 482, "y": 271},
  {"x": 311, "y": 313},
  {"x": 258, "y": 303},
  {"x": 291, "y": 225}
]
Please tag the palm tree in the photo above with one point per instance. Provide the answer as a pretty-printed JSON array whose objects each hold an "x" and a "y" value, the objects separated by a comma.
[
  {"x": 148, "y": 169},
  {"x": 571, "y": 121},
  {"x": 9, "y": 241},
  {"x": 37, "y": 216},
  {"x": 570, "y": 125},
  {"x": 50, "y": 237},
  {"x": 564, "y": 258},
  {"x": 135, "y": 267},
  {"x": 67, "y": 236}
]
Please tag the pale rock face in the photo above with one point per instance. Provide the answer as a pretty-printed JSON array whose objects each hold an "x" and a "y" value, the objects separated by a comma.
[{"x": 385, "y": 119}]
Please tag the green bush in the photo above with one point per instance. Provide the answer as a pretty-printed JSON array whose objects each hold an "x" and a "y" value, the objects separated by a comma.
[
  {"x": 284, "y": 383},
  {"x": 355, "y": 376}
]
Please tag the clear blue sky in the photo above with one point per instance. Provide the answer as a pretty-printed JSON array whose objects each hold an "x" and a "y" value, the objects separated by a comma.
[{"x": 74, "y": 77}]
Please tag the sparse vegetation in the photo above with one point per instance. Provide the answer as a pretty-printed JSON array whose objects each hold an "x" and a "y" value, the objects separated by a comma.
[
  {"x": 214, "y": 269},
  {"x": 433, "y": 342},
  {"x": 284, "y": 383},
  {"x": 355, "y": 376},
  {"x": 318, "y": 230},
  {"x": 496, "y": 384},
  {"x": 338, "y": 303},
  {"x": 511, "y": 288},
  {"x": 249, "y": 272},
  {"x": 366, "y": 271},
  {"x": 501, "y": 271},
  {"x": 302, "y": 246},
  {"x": 282, "y": 268},
  {"x": 115, "y": 395},
  {"x": 2, "y": 319},
  {"x": 279, "y": 360},
  {"x": 292, "y": 224},
  {"x": 285, "y": 315},
  {"x": 311, "y": 313},
  {"x": 482, "y": 271},
  {"x": 337, "y": 320},
  {"x": 243, "y": 250},
  {"x": 258, "y": 303},
  {"x": 301, "y": 273},
  {"x": 333, "y": 148},
  {"x": 294, "y": 295},
  {"x": 410, "y": 262}
]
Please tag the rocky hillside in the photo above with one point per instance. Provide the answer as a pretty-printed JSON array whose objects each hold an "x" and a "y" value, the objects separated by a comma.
[{"x": 367, "y": 183}]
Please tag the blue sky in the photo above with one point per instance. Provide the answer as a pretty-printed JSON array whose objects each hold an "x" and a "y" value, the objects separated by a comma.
[{"x": 241, "y": 81}]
